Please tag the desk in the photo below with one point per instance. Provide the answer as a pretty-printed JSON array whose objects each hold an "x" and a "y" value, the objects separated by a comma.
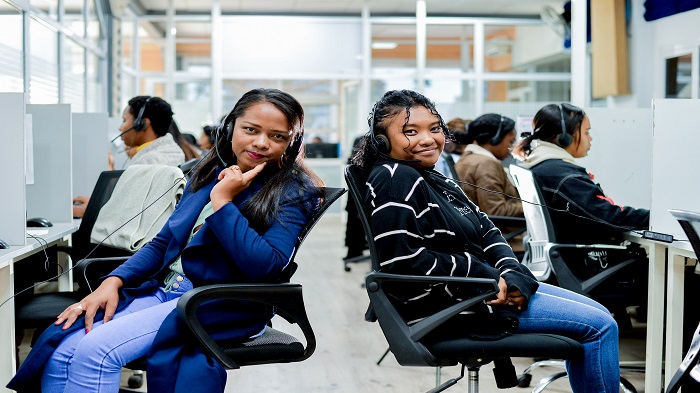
[
  {"x": 671, "y": 273},
  {"x": 58, "y": 234}
]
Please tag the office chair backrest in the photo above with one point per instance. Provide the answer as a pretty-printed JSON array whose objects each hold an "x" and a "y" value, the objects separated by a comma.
[
  {"x": 538, "y": 222},
  {"x": 690, "y": 222},
  {"x": 356, "y": 184},
  {"x": 329, "y": 195},
  {"x": 100, "y": 195},
  {"x": 188, "y": 165},
  {"x": 689, "y": 368}
]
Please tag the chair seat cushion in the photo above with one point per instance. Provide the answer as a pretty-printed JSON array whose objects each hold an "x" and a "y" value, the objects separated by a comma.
[
  {"x": 273, "y": 346},
  {"x": 517, "y": 345},
  {"x": 41, "y": 310}
]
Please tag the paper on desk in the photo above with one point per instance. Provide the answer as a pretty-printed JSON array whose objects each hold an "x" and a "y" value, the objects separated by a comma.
[{"x": 37, "y": 232}]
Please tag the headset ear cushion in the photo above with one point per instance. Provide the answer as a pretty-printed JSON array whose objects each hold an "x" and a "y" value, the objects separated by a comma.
[
  {"x": 383, "y": 143},
  {"x": 565, "y": 139},
  {"x": 229, "y": 131}
]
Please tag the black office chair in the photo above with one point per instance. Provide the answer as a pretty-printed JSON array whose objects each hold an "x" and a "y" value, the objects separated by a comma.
[
  {"x": 547, "y": 259},
  {"x": 688, "y": 374},
  {"x": 273, "y": 346},
  {"x": 40, "y": 310},
  {"x": 188, "y": 165},
  {"x": 424, "y": 344}
]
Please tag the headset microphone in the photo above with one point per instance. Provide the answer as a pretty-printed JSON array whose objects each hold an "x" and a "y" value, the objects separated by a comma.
[{"x": 118, "y": 136}]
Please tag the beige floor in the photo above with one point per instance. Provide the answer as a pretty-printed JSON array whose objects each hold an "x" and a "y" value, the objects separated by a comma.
[{"x": 348, "y": 347}]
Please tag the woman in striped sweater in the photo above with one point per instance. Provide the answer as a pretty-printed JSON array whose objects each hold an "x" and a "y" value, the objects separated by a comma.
[{"x": 424, "y": 224}]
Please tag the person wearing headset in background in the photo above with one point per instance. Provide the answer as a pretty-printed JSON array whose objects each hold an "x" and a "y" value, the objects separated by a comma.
[
  {"x": 491, "y": 137},
  {"x": 145, "y": 131},
  {"x": 424, "y": 224},
  {"x": 206, "y": 140},
  {"x": 562, "y": 134},
  {"x": 458, "y": 129},
  {"x": 234, "y": 224}
]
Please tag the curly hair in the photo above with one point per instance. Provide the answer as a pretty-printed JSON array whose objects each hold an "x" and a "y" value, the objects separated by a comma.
[{"x": 390, "y": 105}]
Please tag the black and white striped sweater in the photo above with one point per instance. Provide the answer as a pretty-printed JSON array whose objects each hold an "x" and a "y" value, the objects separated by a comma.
[{"x": 424, "y": 224}]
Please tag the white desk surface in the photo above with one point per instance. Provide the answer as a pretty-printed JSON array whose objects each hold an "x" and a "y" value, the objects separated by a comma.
[{"x": 57, "y": 232}]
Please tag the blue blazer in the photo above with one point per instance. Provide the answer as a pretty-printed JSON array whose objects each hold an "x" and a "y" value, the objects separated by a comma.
[{"x": 225, "y": 250}]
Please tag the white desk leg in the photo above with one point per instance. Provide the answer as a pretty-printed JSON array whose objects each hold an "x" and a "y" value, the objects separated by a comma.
[
  {"x": 7, "y": 328},
  {"x": 674, "y": 313},
  {"x": 655, "y": 318},
  {"x": 65, "y": 282}
]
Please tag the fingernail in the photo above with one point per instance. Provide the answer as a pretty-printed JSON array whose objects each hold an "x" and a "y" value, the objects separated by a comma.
[{"x": 87, "y": 331}]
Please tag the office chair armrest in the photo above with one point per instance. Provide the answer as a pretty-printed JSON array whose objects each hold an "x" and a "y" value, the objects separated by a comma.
[
  {"x": 566, "y": 277},
  {"x": 89, "y": 271},
  {"x": 507, "y": 221},
  {"x": 404, "y": 339},
  {"x": 287, "y": 298}
]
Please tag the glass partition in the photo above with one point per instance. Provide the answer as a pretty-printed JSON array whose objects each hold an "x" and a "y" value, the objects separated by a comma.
[
  {"x": 393, "y": 46},
  {"x": 73, "y": 75},
  {"x": 11, "y": 54},
  {"x": 193, "y": 47},
  {"x": 43, "y": 64}
]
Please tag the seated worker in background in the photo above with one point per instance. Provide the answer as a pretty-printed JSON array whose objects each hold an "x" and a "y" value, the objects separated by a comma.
[
  {"x": 146, "y": 138},
  {"x": 456, "y": 145},
  {"x": 451, "y": 237},
  {"x": 191, "y": 151},
  {"x": 206, "y": 141},
  {"x": 562, "y": 134},
  {"x": 234, "y": 224},
  {"x": 490, "y": 138}
]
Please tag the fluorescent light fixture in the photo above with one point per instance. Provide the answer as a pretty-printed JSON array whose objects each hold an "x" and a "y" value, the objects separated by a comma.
[{"x": 384, "y": 45}]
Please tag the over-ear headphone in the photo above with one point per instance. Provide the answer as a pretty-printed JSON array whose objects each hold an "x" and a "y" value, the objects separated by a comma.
[
  {"x": 496, "y": 139},
  {"x": 139, "y": 124},
  {"x": 565, "y": 138},
  {"x": 379, "y": 142}
]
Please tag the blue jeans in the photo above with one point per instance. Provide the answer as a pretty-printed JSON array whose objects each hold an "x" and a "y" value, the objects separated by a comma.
[
  {"x": 93, "y": 362},
  {"x": 556, "y": 310}
]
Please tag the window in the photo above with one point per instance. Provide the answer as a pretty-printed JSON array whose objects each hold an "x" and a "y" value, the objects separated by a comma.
[
  {"x": 678, "y": 76},
  {"x": 11, "y": 59}
]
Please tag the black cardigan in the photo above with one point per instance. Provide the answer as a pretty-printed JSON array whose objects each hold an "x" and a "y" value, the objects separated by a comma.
[{"x": 565, "y": 185}]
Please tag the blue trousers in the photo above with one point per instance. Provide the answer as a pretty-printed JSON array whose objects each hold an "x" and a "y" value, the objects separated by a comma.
[
  {"x": 556, "y": 310},
  {"x": 92, "y": 362}
]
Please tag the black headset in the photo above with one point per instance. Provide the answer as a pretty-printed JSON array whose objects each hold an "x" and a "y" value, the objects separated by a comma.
[
  {"x": 565, "y": 138},
  {"x": 379, "y": 142},
  {"x": 139, "y": 124},
  {"x": 496, "y": 139}
]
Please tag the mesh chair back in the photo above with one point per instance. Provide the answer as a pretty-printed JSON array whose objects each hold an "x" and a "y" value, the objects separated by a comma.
[
  {"x": 356, "y": 184},
  {"x": 537, "y": 219}
]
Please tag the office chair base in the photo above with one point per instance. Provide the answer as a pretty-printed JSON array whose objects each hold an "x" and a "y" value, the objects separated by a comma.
[{"x": 625, "y": 385}]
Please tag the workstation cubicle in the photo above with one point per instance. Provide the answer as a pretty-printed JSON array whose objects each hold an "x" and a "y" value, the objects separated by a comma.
[
  {"x": 48, "y": 156},
  {"x": 646, "y": 158}
]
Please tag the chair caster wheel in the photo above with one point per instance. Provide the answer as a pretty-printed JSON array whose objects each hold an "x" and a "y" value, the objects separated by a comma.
[
  {"x": 135, "y": 381},
  {"x": 524, "y": 380},
  {"x": 347, "y": 268}
]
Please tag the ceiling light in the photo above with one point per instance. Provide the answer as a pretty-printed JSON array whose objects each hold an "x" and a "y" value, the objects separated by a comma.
[{"x": 384, "y": 45}]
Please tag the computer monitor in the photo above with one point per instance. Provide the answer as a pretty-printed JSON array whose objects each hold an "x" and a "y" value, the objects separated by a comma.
[{"x": 321, "y": 150}]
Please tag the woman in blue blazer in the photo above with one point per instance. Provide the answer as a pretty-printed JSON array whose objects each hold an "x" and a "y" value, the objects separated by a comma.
[{"x": 235, "y": 223}]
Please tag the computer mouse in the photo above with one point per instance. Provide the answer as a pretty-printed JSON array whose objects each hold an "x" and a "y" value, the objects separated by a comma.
[
  {"x": 3, "y": 245},
  {"x": 38, "y": 222}
]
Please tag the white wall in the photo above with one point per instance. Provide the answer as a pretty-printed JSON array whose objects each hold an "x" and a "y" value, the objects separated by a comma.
[{"x": 649, "y": 43}]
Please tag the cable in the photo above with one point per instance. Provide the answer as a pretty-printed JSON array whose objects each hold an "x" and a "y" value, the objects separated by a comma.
[
  {"x": 594, "y": 219},
  {"x": 184, "y": 177}
]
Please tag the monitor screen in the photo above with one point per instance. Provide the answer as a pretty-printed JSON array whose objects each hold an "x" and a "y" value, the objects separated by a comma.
[{"x": 321, "y": 150}]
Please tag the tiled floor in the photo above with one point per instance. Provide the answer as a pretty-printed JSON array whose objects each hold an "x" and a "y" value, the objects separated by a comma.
[{"x": 348, "y": 347}]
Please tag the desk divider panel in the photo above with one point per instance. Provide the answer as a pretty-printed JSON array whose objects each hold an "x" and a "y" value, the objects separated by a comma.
[
  {"x": 620, "y": 154},
  {"x": 51, "y": 195},
  {"x": 90, "y": 148},
  {"x": 676, "y": 162},
  {"x": 12, "y": 161}
]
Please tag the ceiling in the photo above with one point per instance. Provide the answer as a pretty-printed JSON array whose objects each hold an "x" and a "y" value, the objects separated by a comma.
[{"x": 354, "y": 7}]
